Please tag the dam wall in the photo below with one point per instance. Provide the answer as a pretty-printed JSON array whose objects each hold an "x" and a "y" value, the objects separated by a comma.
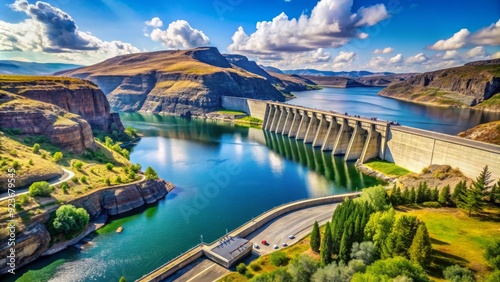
[{"x": 361, "y": 139}]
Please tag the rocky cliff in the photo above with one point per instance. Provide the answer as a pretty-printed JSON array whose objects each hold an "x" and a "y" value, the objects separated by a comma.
[
  {"x": 187, "y": 82},
  {"x": 468, "y": 85},
  {"x": 30, "y": 117},
  {"x": 35, "y": 240},
  {"x": 487, "y": 132},
  {"x": 76, "y": 96}
]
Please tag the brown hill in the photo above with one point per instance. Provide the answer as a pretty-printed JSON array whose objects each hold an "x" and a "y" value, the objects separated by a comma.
[
  {"x": 487, "y": 132},
  {"x": 475, "y": 84},
  {"x": 187, "y": 82}
]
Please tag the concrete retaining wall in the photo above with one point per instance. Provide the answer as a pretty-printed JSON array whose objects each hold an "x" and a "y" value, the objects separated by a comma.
[
  {"x": 255, "y": 108},
  {"x": 415, "y": 149}
]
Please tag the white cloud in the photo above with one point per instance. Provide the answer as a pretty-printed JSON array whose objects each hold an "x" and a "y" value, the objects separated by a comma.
[
  {"x": 344, "y": 57},
  {"x": 386, "y": 50},
  {"x": 154, "y": 22},
  {"x": 450, "y": 55},
  {"x": 52, "y": 31},
  {"x": 418, "y": 58},
  {"x": 458, "y": 40},
  {"x": 496, "y": 55},
  {"x": 330, "y": 25},
  {"x": 476, "y": 52},
  {"x": 396, "y": 59},
  {"x": 180, "y": 35},
  {"x": 487, "y": 36}
]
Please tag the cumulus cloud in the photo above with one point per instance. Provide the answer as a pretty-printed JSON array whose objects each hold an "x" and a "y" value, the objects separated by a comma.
[
  {"x": 180, "y": 35},
  {"x": 418, "y": 58},
  {"x": 396, "y": 59},
  {"x": 486, "y": 36},
  {"x": 344, "y": 57},
  {"x": 330, "y": 25},
  {"x": 476, "y": 52},
  {"x": 386, "y": 50},
  {"x": 458, "y": 40},
  {"x": 50, "y": 30},
  {"x": 450, "y": 55},
  {"x": 496, "y": 55},
  {"x": 154, "y": 22}
]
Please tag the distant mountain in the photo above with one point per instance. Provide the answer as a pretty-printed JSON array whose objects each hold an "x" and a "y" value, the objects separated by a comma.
[
  {"x": 350, "y": 74},
  {"x": 185, "y": 82},
  {"x": 271, "y": 69},
  {"x": 29, "y": 68},
  {"x": 475, "y": 84}
]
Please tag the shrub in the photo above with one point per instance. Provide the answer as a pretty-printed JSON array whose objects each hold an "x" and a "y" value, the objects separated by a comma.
[
  {"x": 36, "y": 148},
  {"x": 431, "y": 204},
  {"x": 44, "y": 155},
  {"x": 83, "y": 179},
  {"x": 130, "y": 131},
  {"x": 78, "y": 165},
  {"x": 494, "y": 276},
  {"x": 13, "y": 152},
  {"x": 118, "y": 179},
  {"x": 24, "y": 199},
  {"x": 255, "y": 267},
  {"x": 125, "y": 153},
  {"x": 70, "y": 219},
  {"x": 41, "y": 189},
  {"x": 108, "y": 182},
  {"x": 241, "y": 268},
  {"x": 16, "y": 165},
  {"x": 278, "y": 258},
  {"x": 131, "y": 175},
  {"x": 456, "y": 273},
  {"x": 30, "y": 162},
  {"x": 136, "y": 168},
  {"x": 492, "y": 254},
  {"x": 74, "y": 179},
  {"x": 64, "y": 187},
  {"x": 109, "y": 166},
  {"x": 57, "y": 156},
  {"x": 150, "y": 173}
]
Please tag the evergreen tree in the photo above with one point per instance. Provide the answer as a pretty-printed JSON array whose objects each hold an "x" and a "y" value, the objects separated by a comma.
[
  {"x": 393, "y": 198},
  {"x": 420, "y": 194},
  {"x": 483, "y": 181},
  {"x": 445, "y": 195},
  {"x": 402, "y": 235},
  {"x": 344, "y": 247},
  {"x": 426, "y": 192},
  {"x": 326, "y": 251},
  {"x": 459, "y": 192},
  {"x": 473, "y": 200},
  {"x": 413, "y": 196},
  {"x": 315, "y": 238},
  {"x": 494, "y": 193},
  {"x": 405, "y": 197},
  {"x": 421, "y": 248},
  {"x": 434, "y": 194}
]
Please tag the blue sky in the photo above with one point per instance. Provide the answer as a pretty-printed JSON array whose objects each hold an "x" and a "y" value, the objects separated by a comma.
[{"x": 376, "y": 35}]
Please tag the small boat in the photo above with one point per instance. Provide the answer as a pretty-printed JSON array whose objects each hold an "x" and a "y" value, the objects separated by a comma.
[{"x": 120, "y": 229}]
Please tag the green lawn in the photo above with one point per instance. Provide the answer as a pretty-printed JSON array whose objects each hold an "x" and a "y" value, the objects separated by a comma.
[
  {"x": 387, "y": 168},
  {"x": 230, "y": 112},
  {"x": 459, "y": 239},
  {"x": 44, "y": 274}
]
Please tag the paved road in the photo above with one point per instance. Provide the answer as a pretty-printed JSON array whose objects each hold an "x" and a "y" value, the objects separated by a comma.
[
  {"x": 204, "y": 271},
  {"x": 67, "y": 175},
  {"x": 298, "y": 223}
]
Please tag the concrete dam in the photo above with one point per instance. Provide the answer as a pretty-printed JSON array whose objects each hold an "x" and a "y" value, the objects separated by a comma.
[{"x": 363, "y": 139}]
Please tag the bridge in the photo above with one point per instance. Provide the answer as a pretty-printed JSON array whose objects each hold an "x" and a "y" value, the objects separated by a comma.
[{"x": 362, "y": 139}]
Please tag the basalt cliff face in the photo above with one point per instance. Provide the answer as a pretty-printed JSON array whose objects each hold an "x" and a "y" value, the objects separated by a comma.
[
  {"x": 76, "y": 96},
  {"x": 34, "y": 241},
  {"x": 474, "y": 84},
  {"x": 30, "y": 117},
  {"x": 187, "y": 82}
]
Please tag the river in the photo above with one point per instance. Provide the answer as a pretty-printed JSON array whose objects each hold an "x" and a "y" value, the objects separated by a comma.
[{"x": 227, "y": 174}]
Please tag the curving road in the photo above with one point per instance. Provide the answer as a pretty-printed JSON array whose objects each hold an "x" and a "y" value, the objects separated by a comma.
[{"x": 67, "y": 175}]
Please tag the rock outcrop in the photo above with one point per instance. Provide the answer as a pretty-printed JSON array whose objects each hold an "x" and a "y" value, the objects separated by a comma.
[
  {"x": 187, "y": 82},
  {"x": 468, "y": 85},
  {"x": 29, "y": 117},
  {"x": 34, "y": 241},
  {"x": 487, "y": 132},
  {"x": 76, "y": 96}
]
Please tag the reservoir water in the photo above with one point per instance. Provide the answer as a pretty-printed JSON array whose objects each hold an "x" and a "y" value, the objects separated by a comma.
[{"x": 225, "y": 175}]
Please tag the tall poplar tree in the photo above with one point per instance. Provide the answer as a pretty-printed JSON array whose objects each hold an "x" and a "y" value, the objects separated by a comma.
[{"x": 315, "y": 238}]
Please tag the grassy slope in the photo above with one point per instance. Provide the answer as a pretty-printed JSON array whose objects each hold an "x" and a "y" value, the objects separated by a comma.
[
  {"x": 387, "y": 168},
  {"x": 22, "y": 82},
  {"x": 458, "y": 239},
  {"x": 487, "y": 132}
]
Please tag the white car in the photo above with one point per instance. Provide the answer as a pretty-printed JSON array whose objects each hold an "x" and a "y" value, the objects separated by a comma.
[
  {"x": 275, "y": 247},
  {"x": 256, "y": 246}
]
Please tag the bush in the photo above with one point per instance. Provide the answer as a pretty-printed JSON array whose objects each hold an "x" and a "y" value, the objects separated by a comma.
[
  {"x": 36, "y": 148},
  {"x": 30, "y": 162},
  {"x": 125, "y": 153},
  {"x": 74, "y": 179},
  {"x": 78, "y": 165},
  {"x": 255, "y": 267},
  {"x": 57, "y": 156},
  {"x": 41, "y": 189},
  {"x": 24, "y": 199},
  {"x": 83, "y": 179},
  {"x": 16, "y": 165},
  {"x": 131, "y": 175},
  {"x": 278, "y": 258},
  {"x": 136, "y": 168},
  {"x": 44, "y": 155},
  {"x": 150, "y": 173},
  {"x": 456, "y": 273},
  {"x": 118, "y": 179},
  {"x": 130, "y": 131},
  {"x": 108, "y": 182},
  {"x": 64, "y": 187},
  {"x": 241, "y": 268},
  {"x": 109, "y": 166},
  {"x": 70, "y": 219},
  {"x": 13, "y": 152},
  {"x": 492, "y": 254},
  {"x": 494, "y": 276},
  {"x": 431, "y": 204}
]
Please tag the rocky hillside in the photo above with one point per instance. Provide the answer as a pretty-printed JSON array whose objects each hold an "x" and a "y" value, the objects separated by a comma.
[
  {"x": 474, "y": 84},
  {"x": 76, "y": 96},
  {"x": 187, "y": 82},
  {"x": 34, "y": 118},
  {"x": 487, "y": 132}
]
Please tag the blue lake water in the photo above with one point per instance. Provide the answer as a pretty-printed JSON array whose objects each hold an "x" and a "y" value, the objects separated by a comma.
[{"x": 225, "y": 175}]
